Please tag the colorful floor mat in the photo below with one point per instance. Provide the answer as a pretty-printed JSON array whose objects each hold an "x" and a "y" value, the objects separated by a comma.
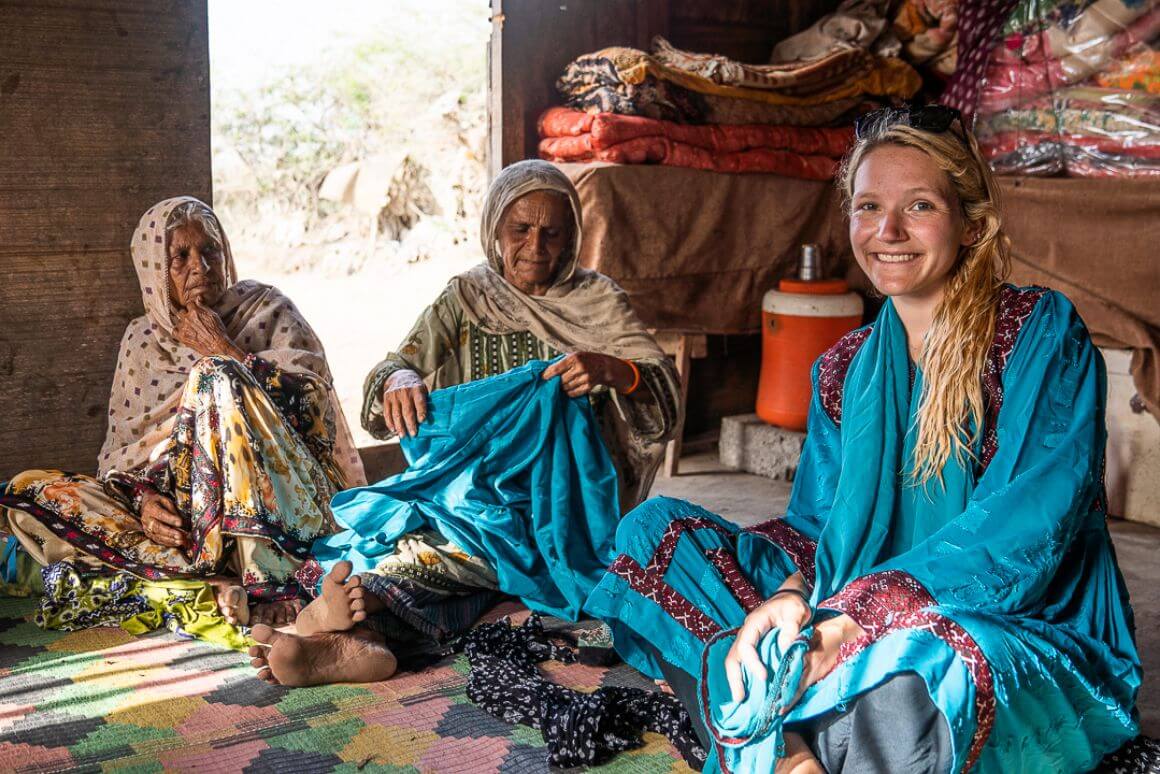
[{"x": 103, "y": 700}]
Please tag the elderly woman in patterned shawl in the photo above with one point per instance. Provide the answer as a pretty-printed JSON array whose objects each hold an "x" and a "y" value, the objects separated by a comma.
[
  {"x": 529, "y": 301},
  {"x": 225, "y": 441}
]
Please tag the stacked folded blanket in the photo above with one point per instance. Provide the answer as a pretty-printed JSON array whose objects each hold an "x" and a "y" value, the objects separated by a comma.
[
  {"x": 675, "y": 85},
  {"x": 928, "y": 31},
  {"x": 803, "y": 152},
  {"x": 706, "y": 111},
  {"x": 1074, "y": 88}
]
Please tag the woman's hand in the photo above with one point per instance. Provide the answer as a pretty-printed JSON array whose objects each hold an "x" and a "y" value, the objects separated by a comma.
[
  {"x": 161, "y": 522},
  {"x": 786, "y": 612},
  {"x": 581, "y": 371},
  {"x": 404, "y": 402},
  {"x": 201, "y": 329},
  {"x": 825, "y": 644}
]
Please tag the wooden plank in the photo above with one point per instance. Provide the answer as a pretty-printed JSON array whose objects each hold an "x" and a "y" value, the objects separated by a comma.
[
  {"x": 104, "y": 110},
  {"x": 382, "y": 460},
  {"x": 746, "y": 30},
  {"x": 673, "y": 450}
]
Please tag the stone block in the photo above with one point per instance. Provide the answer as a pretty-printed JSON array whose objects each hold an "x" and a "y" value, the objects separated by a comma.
[{"x": 747, "y": 443}]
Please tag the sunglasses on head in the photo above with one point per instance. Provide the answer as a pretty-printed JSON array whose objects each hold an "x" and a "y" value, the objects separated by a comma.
[{"x": 929, "y": 118}]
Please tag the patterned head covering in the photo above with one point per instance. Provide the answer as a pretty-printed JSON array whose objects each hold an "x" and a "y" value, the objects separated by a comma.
[
  {"x": 514, "y": 182},
  {"x": 153, "y": 366},
  {"x": 583, "y": 311}
]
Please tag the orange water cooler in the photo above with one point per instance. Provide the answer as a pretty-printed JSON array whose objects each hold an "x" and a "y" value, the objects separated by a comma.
[{"x": 799, "y": 321}]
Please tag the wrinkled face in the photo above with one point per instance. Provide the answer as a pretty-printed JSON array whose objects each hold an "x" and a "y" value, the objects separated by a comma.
[
  {"x": 906, "y": 226},
  {"x": 534, "y": 233},
  {"x": 197, "y": 266}
]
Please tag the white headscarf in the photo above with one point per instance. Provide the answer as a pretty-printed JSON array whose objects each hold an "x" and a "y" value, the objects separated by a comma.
[
  {"x": 583, "y": 311},
  {"x": 153, "y": 366}
]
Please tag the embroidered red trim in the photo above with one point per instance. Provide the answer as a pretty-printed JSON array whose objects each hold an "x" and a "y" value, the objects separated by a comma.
[
  {"x": 1015, "y": 306},
  {"x": 741, "y": 588},
  {"x": 832, "y": 370},
  {"x": 891, "y": 601},
  {"x": 801, "y": 549},
  {"x": 650, "y": 584}
]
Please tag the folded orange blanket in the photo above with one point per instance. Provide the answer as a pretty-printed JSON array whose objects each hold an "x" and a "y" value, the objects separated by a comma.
[
  {"x": 606, "y": 130},
  {"x": 661, "y": 150}
]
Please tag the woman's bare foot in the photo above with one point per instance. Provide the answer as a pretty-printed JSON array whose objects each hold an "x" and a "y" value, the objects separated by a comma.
[
  {"x": 343, "y": 603},
  {"x": 664, "y": 686},
  {"x": 232, "y": 600},
  {"x": 279, "y": 613},
  {"x": 355, "y": 656},
  {"x": 799, "y": 759}
]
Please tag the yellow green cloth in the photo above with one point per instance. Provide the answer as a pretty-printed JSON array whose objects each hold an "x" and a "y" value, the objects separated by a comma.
[{"x": 73, "y": 601}]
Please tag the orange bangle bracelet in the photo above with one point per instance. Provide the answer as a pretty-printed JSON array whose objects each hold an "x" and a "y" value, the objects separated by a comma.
[{"x": 635, "y": 378}]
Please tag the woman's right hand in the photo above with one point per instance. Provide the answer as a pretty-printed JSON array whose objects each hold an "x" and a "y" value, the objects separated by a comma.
[
  {"x": 404, "y": 402},
  {"x": 161, "y": 522},
  {"x": 787, "y": 612}
]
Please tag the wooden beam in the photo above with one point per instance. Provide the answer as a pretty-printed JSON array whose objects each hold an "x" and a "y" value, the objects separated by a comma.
[{"x": 104, "y": 110}]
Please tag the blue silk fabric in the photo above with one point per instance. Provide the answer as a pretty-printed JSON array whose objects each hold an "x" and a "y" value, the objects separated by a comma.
[
  {"x": 999, "y": 588},
  {"x": 508, "y": 468}
]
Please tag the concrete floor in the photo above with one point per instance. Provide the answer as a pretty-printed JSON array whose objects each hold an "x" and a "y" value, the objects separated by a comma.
[{"x": 748, "y": 499}]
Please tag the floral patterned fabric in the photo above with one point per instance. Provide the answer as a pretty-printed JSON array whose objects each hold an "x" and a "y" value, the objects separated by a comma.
[
  {"x": 242, "y": 465},
  {"x": 73, "y": 601}
]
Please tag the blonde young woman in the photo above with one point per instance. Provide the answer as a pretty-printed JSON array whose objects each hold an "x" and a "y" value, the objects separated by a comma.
[{"x": 942, "y": 593}]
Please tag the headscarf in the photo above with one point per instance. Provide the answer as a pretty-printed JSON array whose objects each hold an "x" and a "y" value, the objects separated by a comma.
[
  {"x": 153, "y": 366},
  {"x": 582, "y": 310}
]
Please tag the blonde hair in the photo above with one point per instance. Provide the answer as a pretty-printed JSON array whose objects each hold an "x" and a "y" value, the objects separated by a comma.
[{"x": 956, "y": 346}]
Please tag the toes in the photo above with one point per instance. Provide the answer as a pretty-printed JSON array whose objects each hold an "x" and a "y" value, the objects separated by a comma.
[
  {"x": 358, "y": 604},
  {"x": 357, "y": 593},
  {"x": 354, "y": 583},
  {"x": 268, "y": 676},
  {"x": 258, "y": 663},
  {"x": 358, "y": 616},
  {"x": 341, "y": 571},
  {"x": 264, "y": 633}
]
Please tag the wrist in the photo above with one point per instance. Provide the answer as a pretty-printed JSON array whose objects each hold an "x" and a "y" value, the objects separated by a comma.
[
  {"x": 404, "y": 377},
  {"x": 794, "y": 593}
]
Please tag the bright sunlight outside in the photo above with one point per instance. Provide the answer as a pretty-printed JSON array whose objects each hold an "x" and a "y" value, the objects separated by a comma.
[{"x": 348, "y": 159}]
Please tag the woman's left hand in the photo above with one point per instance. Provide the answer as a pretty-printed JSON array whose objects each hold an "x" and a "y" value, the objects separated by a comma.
[
  {"x": 201, "y": 329},
  {"x": 581, "y": 371},
  {"x": 822, "y": 657}
]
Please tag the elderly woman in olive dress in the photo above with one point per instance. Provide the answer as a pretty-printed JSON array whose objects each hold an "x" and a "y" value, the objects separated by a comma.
[{"x": 528, "y": 301}]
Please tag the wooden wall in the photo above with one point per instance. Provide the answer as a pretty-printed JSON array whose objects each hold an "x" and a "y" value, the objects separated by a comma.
[
  {"x": 104, "y": 110},
  {"x": 533, "y": 40}
]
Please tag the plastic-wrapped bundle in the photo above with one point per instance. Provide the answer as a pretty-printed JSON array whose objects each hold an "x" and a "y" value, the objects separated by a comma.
[{"x": 1073, "y": 88}]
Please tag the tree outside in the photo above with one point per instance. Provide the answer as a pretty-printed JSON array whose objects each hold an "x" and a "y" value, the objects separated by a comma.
[{"x": 348, "y": 154}]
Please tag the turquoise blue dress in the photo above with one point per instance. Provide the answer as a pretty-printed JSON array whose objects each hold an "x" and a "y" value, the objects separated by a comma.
[
  {"x": 508, "y": 468},
  {"x": 1000, "y": 589}
]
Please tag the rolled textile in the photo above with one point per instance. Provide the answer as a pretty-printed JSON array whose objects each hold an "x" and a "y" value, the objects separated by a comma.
[
  {"x": 620, "y": 67},
  {"x": 659, "y": 150},
  {"x": 608, "y": 129}
]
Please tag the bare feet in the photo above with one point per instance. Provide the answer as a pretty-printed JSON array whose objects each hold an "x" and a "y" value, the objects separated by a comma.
[
  {"x": 343, "y": 603},
  {"x": 232, "y": 600},
  {"x": 278, "y": 613},
  {"x": 355, "y": 656},
  {"x": 798, "y": 757}
]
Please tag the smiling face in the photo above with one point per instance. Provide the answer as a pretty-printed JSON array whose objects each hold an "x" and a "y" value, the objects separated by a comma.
[
  {"x": 533, "y": 236},
  {"x": 906, "y": 226},
  {"x": 196, "y": 266}
]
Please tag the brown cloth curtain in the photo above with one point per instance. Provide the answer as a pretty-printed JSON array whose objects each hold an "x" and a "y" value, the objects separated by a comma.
[{"x": 1097, "y": 241}]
